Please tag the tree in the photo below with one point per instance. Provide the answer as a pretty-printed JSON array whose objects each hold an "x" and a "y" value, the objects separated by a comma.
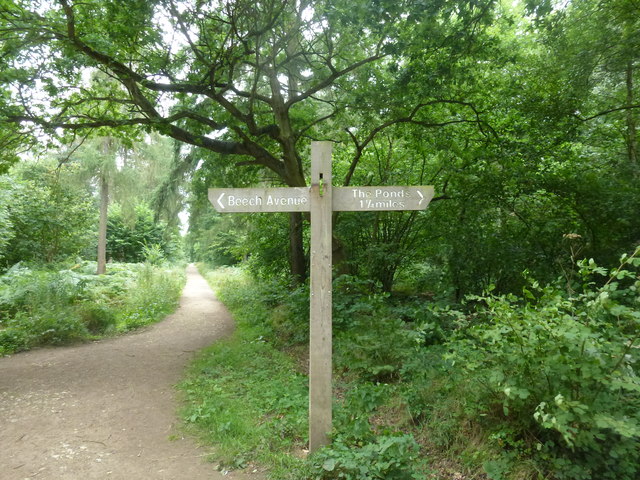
[
  {"x": 127, "y": 173},
  {"x": 546, "y": 172},
  {"x": 588, "y": 71},
  {"x": 253, "y": 81},
  {"x": 98, "y": 163},
  {"x": 48, "y": 218},
  {"x": 12, "y": 143},
  {"x": 129, "y": 239}
]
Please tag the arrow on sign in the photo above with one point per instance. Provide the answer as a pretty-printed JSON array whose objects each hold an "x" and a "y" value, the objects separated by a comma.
[
  {"x": 219, "y": 202},
  {"x": 345, "y": 199}
]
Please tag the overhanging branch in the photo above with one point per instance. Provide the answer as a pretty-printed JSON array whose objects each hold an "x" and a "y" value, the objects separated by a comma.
[
  {"x": 607, "y": 112},
  {"x": 411, "y": 118},
  {"x": 331, "y": 79}
]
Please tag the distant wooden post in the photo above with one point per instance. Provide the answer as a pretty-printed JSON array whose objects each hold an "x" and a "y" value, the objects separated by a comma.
[{"x": 321, "y": 199}]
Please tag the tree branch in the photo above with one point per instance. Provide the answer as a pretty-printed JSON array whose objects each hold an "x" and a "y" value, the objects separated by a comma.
[
  {"x": 409, "y": 119},
  {"x": 331, "y": 79},
  {"x": 606, "y": 112},
  {"x": 133, "y": 83}
]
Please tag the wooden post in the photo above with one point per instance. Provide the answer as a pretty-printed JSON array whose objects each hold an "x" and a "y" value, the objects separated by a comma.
[{"x": 320, "y": 335}]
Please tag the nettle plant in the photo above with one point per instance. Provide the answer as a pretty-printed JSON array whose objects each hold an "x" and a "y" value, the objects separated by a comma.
[{"x": 556, "y": 371}]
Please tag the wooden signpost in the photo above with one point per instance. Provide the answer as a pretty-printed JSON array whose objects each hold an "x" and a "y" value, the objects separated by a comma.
[{"x": 321, "y": 200}]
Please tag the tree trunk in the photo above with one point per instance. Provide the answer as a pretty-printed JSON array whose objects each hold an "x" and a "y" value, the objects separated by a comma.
[
  {"x": 632, "y": 137},
  {"x": 386, "y": 277},
  {"x": 287, "y": 139},
  {"x": 297, "y": 259},
  {"x": 102, "y": 228},
  {"x": 341, "y": 264}
]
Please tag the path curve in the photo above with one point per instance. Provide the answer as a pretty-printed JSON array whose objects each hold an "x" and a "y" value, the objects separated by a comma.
[{"x": 107, "y": 409}]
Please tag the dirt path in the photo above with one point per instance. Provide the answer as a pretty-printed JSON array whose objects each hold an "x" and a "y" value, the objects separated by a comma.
[{"x": 107, "y": 410}]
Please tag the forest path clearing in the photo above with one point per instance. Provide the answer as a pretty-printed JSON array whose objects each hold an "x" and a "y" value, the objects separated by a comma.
[{"x": 107, "y": 409}]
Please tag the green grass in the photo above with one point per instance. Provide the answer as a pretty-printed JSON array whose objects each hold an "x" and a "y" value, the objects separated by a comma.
[
  {"x": 513, "y": 388},
  {"x": 249, "y": 400},
  {"x": 245, "y": 397}
]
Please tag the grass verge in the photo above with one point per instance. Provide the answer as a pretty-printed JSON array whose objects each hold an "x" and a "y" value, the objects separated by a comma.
[
  {"x": 248, "y": 397},
  {"x": 243, "y": 395},
  {"x": 542, "y": 386}
]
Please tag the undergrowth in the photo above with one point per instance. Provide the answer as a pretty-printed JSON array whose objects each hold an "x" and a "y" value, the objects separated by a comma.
[
  {"x": 57, "y": 306},
  {"x": 243, "y": 395},
  {"x": 247, "y": 396},
  {"x": 543, "y": 385}
]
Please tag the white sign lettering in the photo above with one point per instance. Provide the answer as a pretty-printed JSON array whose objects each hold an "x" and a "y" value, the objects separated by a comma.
[
  {"x": 260, "y": 199},
  {"x": 381, "y": 198}
]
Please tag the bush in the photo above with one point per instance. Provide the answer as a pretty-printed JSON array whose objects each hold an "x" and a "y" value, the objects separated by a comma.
[
  {"x": 51, "y": 327},
  {"x": 23, "y": 289},
  {"x": 372, "y": 340},
  {"x": 154, "y": 293},
  {"x": 13, "y": 339},
  {"x": 248, "y": 367},
  {"x": 555, "y": 373},
  {"x": 97, "y": 318},
  {"x": 140, "y": 238},
  {"x": 48, "y": 220}
]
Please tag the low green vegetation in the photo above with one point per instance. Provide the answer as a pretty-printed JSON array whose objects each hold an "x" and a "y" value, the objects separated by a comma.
[
  {"x": 244, "y": 395},
  {"x": 541, "y": 385},
  {"x": 60, "y": 304},
  {"x": 49, "y": 222}
]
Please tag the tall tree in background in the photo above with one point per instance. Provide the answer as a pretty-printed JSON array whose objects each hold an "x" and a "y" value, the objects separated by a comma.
[
  {"x": 103, "y": 171},
  {"x": 126, "y": 173},
  {"x": 98, "y": 159}
]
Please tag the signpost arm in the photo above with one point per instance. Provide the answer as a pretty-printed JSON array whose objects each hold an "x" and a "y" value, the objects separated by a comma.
[{"x": 320, "y": 368}]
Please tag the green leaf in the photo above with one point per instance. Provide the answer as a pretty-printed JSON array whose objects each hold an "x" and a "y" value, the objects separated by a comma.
[{"x": 329, "y": 464}]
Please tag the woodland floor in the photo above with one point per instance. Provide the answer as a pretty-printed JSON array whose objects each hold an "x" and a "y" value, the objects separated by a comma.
[{"x": 107, "y": 409}]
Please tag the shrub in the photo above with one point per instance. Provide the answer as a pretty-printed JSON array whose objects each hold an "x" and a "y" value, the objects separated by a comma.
[
  {"x": 52, "y": 307},
  {"x": 372, "y": 341},
  {"x": 375, "y": 349},
  {"x": 153, "y": 294},
  {"x": 50, "y": 327},
  {"x": 97, "y": 318},
  {"x": 13, "y": 339},
  {"x": 555, "y": 373},
  {"x": 48, "y": 220},
  {"x": 128, "y": 239}
]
